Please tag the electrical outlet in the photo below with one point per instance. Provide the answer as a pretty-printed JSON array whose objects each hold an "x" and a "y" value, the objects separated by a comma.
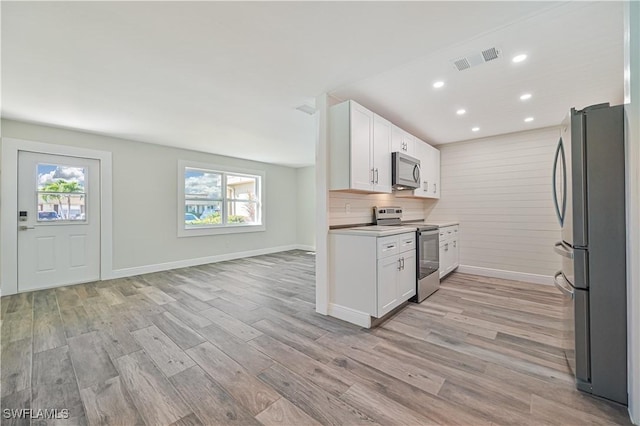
[{"x": 347, "y": 208}]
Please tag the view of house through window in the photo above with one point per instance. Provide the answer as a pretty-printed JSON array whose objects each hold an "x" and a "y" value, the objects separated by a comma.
[
  {"x": 61, "y": 193},
  {"x": 214, "y": 198}
]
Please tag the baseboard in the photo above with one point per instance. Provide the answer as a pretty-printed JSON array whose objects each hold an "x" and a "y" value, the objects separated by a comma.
[
  {"x": 158, "y": 267},
  {"x": 350, "y": 315},
  {"x": 305, "y": 248},
  {"x": 508, "y": 275}
]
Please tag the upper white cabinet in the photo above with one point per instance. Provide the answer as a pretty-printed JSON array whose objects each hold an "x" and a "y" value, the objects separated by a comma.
[
  {"x": 360, "y": 149},
  {"x": 429, "y": 172},
  {"x": 402, "y": 141}
]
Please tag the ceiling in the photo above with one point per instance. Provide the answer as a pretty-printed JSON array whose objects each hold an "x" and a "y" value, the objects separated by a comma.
[{"x": 226, "y": 77}]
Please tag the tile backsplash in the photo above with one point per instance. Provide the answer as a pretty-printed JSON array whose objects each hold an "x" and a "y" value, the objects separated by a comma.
[{"x": 346, "y": 208}]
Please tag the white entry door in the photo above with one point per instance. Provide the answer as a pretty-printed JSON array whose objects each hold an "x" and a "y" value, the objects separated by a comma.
[{"x": 58, "y": 220}]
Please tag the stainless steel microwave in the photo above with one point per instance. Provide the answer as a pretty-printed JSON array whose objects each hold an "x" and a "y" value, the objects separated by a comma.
[{"x": 405, "y": 171}]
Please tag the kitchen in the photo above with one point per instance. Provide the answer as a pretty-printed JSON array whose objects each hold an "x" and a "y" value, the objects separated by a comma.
[{"x": 478, "y": 178}]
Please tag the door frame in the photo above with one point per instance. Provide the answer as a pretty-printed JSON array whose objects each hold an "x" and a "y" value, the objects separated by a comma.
[{"x": 9, "y": 205}]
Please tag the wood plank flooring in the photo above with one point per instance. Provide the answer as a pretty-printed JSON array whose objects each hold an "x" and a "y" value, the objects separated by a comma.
[{"x": 239, "y": 342}]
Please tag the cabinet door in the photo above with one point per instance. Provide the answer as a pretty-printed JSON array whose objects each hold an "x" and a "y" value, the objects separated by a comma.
[
  {"x": 397, "y": 139},
  {"x": 381, "y": 154},
  {"x": 455, "y": 261},
  {"x": 402, "y": 141},
  {"x": 435, "y": 161},
  {"x": 388, "y": 269},
  {"x": 410, "y": 142},
  {"x": 426, "y": 173},
  {"x": 361, "y": 122},
  {"x": 407, "y": 276}
]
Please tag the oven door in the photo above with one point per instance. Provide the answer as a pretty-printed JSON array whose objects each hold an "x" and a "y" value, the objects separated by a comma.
[{"x": 428, "y": 264}]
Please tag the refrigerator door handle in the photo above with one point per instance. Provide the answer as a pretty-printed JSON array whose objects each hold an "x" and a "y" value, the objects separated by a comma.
[
  {"x": 560, "y": 211},
  {"x": 565, "y": 289},
  {"x": 563, "y": 250}
]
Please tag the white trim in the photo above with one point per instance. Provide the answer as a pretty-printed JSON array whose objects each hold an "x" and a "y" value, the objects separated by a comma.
[
  {"x": 507, "y": 275},
  {"x": 158, "y": 267},
  {"x": 322, "y": 205},
  {"x": 9, "y": 207},
  {"x": 221, "y": 229},
  {"x": 350, "y": 315},
  {"x": 305, "y": 247}
]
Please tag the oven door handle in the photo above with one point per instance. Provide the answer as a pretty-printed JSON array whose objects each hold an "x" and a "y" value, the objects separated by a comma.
[{"x": 433, "y": 232}]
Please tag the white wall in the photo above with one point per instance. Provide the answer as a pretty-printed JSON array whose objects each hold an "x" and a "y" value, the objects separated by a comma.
[
  {"x": 632, "y": 109},
  {"x": 499, "y": 188},
  {"x": 145, "y": 193},
  {"x": 306, "y": 226}
]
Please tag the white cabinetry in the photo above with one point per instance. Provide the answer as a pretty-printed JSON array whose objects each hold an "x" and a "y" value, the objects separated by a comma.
[
  {"x": 449, "y": 249},
  {"x": 429, "y": 172},
  {"x": 359, "y": 149},
  {"x": 402, "y": 141},
  {"x": 396, "y": 281},
  {"x": 370, "y": 276}
]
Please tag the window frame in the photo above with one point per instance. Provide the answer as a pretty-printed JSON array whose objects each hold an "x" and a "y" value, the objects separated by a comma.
[{"x": 224, "y": 228}]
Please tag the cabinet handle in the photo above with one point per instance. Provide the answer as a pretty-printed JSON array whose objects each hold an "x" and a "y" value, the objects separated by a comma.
[
  {"x": 390, "y": 246},
  {"x": 399, "y": 265},
  {"x": 403, "y": 263},
  {"x": 435, "y": 185},
  {"x": 372, "y": 178},
  {"x": 455, "y": 244},
  {"x": 446, "y": 247},
  {"x": 376, "y": 173}
]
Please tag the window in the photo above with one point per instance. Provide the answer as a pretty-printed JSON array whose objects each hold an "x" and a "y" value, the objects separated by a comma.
[
  {"x": 61, "y": 193},
  {"x": 217, "y": 200}
]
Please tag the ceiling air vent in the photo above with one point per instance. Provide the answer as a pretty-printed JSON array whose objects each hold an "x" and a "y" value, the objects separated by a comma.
[
  {"x": 490, "y": 54},
  {"x": 475, "y": 59},
  {"x": 462, "y": 64}
]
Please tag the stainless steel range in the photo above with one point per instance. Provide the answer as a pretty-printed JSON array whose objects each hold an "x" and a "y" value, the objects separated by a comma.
[{"x": 427, "y": 249}]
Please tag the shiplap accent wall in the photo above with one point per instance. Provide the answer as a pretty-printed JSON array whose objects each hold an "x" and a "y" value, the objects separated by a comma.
[
  {"x": 499, "y": 188},
  {"x": 361, "y": 207}
]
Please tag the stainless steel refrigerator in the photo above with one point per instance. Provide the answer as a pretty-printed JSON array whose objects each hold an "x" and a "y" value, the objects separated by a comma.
[{"x": 589, "y": 195}]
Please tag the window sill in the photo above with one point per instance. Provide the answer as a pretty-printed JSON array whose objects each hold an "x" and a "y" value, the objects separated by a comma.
[{"x": 219, "y": 230}]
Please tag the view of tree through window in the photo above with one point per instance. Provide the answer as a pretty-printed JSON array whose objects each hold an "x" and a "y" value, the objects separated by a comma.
[
  {"x": 61, "y": 193},
  {"x": 215, "y": 198}
]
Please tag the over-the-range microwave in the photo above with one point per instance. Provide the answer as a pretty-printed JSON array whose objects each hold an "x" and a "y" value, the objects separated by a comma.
[{"x": 405, "y": 171}]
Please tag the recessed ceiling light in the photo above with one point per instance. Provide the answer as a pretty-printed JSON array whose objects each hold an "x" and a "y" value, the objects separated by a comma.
[
  {"x": 475, "y": 129},
  {"x": 528, "y": 119},
  {"x": 438, "y": 84},
  {"x": 519, "y": 58},
  {"x": 525, "y": 96},
  {"x": 461, "y": 111}
]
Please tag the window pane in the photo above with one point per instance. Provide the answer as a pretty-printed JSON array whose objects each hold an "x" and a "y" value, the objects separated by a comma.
[
  {"x": 61, "y": 206},
  {"x": 242, "y": 212},
  {"x": 61, "y": 192},
  {"x": 242, "y": 188},
  {"x": 202, "y": 185},
  {"x": 200, "y": 212}
]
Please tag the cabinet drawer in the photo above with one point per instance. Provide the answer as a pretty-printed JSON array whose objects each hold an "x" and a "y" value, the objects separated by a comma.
[
  {"x": 388, "y": 246},
  {"x": 407, "y": 242},
  {"x": 448, "y": 233}
]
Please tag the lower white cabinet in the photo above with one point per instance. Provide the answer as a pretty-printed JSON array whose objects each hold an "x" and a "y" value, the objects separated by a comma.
[
  {"x": 396, "y": 281},
  {"x": 370, "y": 275},
  {"x": 449, "y": 249}
]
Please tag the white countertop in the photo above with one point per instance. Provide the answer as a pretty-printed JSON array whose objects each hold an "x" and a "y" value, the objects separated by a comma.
[
  {"x": 373, "y": 231},
  {"x": 441, "y": 224}
]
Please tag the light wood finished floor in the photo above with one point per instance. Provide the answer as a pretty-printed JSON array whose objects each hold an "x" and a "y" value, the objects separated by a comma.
[{"x": 239, "y": 342}]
